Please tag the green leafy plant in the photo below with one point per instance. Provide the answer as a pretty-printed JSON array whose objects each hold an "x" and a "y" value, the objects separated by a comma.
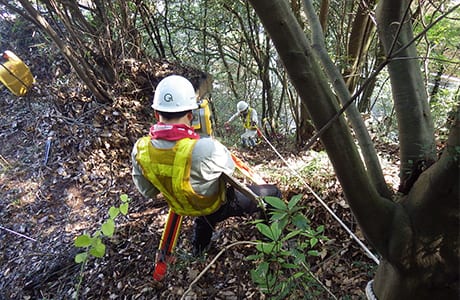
[
  {"x": 94, "y": 244},
  {"x": 281, "y": 258}
]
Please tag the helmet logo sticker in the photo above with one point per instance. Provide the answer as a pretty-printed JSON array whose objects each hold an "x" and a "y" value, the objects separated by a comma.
[{"x": 168, "y": 97}]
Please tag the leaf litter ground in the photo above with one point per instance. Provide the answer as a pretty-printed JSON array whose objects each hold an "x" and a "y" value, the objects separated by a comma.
[{"x": 52, "y": 197}]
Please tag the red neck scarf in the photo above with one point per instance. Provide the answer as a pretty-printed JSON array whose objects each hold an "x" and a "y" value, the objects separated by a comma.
[{"x": 172, "y": 132}]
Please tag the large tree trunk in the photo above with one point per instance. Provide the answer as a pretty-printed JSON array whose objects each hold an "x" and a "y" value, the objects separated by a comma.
[
  {"x": 427, "y": 265},
  {"x": 416, "y": 134},
  {"x": 417, "y": 236}
]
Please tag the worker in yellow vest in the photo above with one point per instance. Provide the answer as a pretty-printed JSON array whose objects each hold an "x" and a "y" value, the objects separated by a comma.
[
  {"x": 250, "y": 121},
  {"x": 187, "y": 168}
]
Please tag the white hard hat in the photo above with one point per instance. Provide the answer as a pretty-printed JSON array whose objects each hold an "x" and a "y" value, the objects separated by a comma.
[
  {"x": 174, "y": 94},
  {"x": 242, "y": 106}
]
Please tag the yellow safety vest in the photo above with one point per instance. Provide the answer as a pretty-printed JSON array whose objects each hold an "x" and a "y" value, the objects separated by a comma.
[
  {"x": 247, "y": 122},
  {"x": 169, "y": 171}
]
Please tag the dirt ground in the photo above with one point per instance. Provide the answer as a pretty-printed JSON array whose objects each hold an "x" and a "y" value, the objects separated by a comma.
[{"x": 65, "y": 160}]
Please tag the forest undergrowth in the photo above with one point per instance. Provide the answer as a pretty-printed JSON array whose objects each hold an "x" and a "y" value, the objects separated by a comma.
[{"x": 65, "y": 161}]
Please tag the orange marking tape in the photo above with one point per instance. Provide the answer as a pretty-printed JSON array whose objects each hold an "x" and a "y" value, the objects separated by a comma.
[{"x": 247, "y": 171}]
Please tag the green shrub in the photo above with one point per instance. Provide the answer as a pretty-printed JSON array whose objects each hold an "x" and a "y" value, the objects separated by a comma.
[
  {"x": 282, "y": 268},
  {"x": 94, "y": 244}
]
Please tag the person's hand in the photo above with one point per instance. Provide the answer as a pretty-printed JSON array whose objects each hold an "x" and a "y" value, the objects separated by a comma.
[{"x": 227, "y": 126}]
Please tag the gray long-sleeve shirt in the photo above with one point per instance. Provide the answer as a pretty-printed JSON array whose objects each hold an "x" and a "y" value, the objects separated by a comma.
[{"x": 254, "y": 118}]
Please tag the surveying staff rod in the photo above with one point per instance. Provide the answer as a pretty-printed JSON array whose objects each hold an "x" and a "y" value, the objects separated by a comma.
[
  {"x": 368, "y": 252},
  {"x": 167, "y": 244}
]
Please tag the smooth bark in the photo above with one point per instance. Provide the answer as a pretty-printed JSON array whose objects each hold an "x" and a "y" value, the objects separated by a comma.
[
  {"x": 367, "y": 147},
  {"x": 416, "y": 133}
]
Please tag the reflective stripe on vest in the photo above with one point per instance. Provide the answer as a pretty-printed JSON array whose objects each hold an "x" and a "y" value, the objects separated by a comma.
[
  {"x": 169, "y": 171},
  {"x": 247, "y": 122}
]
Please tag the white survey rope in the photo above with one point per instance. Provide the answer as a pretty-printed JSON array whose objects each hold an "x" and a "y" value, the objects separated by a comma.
[
  {"x": 369, "y": 253},
  {"x": 370, "y": 291}
]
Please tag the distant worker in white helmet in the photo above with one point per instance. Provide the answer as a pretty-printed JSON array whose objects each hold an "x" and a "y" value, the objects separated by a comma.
[
  {"x": 186, "y": 168},
  {"x": 249, "y": 118}
]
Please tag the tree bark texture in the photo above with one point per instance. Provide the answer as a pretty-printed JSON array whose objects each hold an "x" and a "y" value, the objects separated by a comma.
[
  {"x": 371, "y": 210},
  {"x": 415, "y": 125},
  {"x": 367, "y": 147},
  {"x": 426, "y": 266},
  {"x": 417, "y": 236},
  {"x": 89, "y": 80}
]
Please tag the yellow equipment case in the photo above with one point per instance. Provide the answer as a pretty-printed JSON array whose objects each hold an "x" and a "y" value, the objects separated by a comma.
[{"x": 15, "y": 75}]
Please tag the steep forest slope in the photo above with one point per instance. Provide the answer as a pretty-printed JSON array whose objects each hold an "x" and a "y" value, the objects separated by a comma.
[{"x": 65, "y": 160}]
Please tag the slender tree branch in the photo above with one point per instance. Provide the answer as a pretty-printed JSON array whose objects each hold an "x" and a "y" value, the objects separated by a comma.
[
  {"x": 189, "y": 289},
  {"x": 370, "y": 155}
]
